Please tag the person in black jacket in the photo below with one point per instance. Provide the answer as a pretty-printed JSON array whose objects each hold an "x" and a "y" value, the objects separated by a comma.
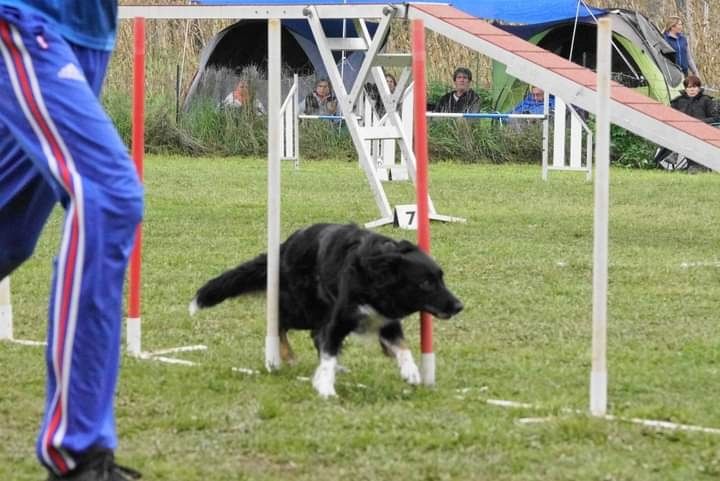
[
  {"x": 462, "y": 99},
  {"x": 693, "y": 102}
]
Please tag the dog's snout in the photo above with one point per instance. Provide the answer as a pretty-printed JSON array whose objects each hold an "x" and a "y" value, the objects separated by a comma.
[{"x": 455, "y": 306}]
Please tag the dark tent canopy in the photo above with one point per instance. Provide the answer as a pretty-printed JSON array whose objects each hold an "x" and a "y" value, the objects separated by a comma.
[{"x": 241, "y": 51}]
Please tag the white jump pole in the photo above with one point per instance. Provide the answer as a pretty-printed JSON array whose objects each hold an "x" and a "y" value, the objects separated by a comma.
[
  {"x": 272, "y": 339},
  {"x": 6, "y": 320},
  {"x": 598, "y": 374}
]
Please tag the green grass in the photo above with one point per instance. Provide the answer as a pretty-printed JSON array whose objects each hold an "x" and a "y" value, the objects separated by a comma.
[{"x": 523, "y": 266}]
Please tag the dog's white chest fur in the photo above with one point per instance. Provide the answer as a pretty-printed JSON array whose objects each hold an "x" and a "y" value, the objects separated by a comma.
[{"x": 371, "y": 321}]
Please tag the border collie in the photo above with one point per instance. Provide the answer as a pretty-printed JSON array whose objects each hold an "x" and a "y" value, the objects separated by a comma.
[{"x": 338, "y": 279}]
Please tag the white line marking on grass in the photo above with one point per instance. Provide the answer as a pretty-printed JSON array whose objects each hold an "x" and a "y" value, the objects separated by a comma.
[
  {"x": 167, "y": 360},
  {"x": 198, "y": 347},
  {"x": 24, "y": 342},
  {"x": 687, "y": 265},
  {"x": 653, "y": 423},
  {"x": 510, "y": 404},
  {"x": 245, "y": 370}
]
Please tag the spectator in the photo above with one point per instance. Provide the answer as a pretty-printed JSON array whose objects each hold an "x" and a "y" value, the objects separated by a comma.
[
  {"x": 321, "y": 100},
  {"x": 374, "y": 95},
  {"x": 694, "y": 103},
  {"x": 679, "y": 42},
  {"x": 462, "y": 99},
  {"x": 59, "y": 147},
  {"x": 392, "y": 83},
  {"x": 242, "y": 97},
  {"x": 533, "y": 102}
]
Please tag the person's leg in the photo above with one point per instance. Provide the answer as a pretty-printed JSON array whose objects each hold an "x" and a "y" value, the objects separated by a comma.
[
  {"x": 26, "y": 200},
  {"x": 59, "y": 123}
]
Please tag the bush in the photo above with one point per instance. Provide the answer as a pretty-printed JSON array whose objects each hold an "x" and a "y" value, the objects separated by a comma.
[{"x": 629, "y": 150}]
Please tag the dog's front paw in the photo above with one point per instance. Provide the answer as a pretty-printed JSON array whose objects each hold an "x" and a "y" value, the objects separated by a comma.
[
  {"x": 408, "y": 369},
  {"x": 324, "y": 378},
  {"x": 410, "y": 373}
]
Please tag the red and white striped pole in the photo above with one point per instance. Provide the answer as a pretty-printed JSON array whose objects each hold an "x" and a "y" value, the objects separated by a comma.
[
  {"x": 427, "y": 370},
  {"x": 138, "y": 153}
]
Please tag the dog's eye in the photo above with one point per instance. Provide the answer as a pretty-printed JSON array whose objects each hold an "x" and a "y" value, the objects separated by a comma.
[{"x": 426, "y": 285}]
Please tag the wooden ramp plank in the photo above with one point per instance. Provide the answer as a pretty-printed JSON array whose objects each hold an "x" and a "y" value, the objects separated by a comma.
[
  {"x": 479, "y": 27},
  {"x": 443, "y": 11},
  {"x": 576, "y": 84}
]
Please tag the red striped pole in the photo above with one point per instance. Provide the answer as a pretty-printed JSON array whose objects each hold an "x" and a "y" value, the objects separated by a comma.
[
  {"x": 138, "y": 152},
  {"x": 421, "y": 185}
]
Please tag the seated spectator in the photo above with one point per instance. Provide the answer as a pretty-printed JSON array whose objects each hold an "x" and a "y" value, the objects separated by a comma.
[
  {"x": 373, "y": 94},
  {"x": 321, "y": 101},
  {"x": 241, "y": 97},
  {"x": 462, "y": 99},
  {"x": 533, "y": 102},
  {"x": 392, "y": 83},
  {"x": 694, "y": 103}
]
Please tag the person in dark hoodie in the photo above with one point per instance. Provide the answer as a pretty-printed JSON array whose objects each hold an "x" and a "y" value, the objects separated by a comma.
[{"x": 695, "y": 103}]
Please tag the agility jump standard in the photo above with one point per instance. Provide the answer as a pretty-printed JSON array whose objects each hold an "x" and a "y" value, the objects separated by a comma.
[
  {"x": 427, "y": 371},
  {"x": 133, "y": 323}
]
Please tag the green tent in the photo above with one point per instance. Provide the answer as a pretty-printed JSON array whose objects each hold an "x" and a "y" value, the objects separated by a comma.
[{"x": 641, "y": 57}]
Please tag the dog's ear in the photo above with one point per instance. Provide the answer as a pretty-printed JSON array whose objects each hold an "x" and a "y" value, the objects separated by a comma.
[
  {"x": 404, "y": 246},
  {"x": 377, "y": 265}
]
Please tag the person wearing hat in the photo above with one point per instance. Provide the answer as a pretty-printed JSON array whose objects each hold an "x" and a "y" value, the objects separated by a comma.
[{"x": 462, "y": 99}]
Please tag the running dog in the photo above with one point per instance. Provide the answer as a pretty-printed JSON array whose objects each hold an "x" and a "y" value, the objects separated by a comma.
[{"x": 337, "y": 279}]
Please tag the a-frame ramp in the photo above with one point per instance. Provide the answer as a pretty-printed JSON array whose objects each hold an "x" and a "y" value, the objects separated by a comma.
[{"x": 575, "y": 84}]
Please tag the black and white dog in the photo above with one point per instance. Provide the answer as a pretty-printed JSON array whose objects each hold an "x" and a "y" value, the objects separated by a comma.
[{"x": 337, "y": 279}]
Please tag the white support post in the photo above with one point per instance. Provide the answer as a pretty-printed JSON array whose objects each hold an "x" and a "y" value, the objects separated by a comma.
[
  {"x": 289, "y": 125},
  {"x": 575, "y": 141},
  {"x": 296, "y": 120},
  {"x": 272, "y": 339},
  {"x": 589, "y": 154},
  {"x": 598, "y": 374},
  {"x": 558, "y": 160},
  {"x": 6, "y": 319},
  {"x": 408, "y": 117},
  {"x": 545, "y": 135}
]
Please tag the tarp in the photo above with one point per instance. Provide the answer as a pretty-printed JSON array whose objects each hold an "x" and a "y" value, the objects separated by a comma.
[{"x": 518, "y": 11}]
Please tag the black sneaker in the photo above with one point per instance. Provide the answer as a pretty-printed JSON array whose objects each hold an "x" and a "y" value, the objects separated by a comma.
[{"x": 100, "y": 467}]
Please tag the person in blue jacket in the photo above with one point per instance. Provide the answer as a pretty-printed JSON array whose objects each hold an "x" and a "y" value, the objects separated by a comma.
[
  {"x": 679, "y": 42},
  {"x": 533, "y": 102},
  {"x": 57, "y": 146}
]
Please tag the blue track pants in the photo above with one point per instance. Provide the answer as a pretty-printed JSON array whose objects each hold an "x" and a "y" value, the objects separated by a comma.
[{"x": 58, "y": 145}]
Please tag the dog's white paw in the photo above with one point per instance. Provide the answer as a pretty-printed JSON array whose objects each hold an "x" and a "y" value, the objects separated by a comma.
[
  {"x": 193, "y": 307},
  {"x": 324, "y": 378},
  {"x": 408, "y": 369},
  {"x": 410, "y": 373}
]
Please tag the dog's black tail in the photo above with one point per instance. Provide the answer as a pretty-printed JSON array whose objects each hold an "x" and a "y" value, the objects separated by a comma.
[{"x": 250, "y": 276}]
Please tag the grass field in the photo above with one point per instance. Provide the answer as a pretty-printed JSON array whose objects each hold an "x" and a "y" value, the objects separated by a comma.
[{"x": 523, "y": 266}]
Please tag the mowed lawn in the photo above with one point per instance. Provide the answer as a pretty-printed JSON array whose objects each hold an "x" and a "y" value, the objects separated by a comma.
[{"x": 523, "y": 267}]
